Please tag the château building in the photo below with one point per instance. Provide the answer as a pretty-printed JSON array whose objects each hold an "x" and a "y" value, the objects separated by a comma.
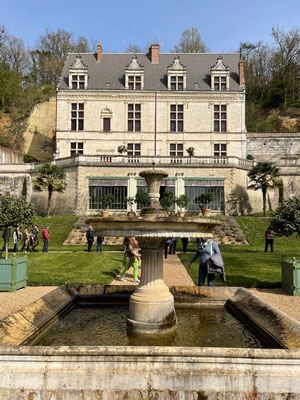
[{"x": 184, "y": 113}]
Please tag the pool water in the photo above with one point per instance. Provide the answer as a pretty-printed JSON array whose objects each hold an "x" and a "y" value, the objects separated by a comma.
[{"x": 105, "y": 325}]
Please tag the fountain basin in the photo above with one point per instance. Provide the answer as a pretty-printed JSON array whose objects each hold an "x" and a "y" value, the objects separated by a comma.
[{"x": 114, "y": 372}]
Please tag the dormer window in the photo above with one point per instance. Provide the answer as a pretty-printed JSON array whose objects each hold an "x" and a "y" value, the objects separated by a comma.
[
  {"x": 134, "y": 75},
  {"x": 219, "y": 76},
  {"x": 78, "y": 74},
  {"x": 134, "y": 82},
  {"x": 176, "y": 75}
]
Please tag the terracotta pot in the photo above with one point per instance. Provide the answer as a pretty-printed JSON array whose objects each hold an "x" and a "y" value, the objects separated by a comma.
[
  {"x": 181, "y": 213},
  {"x": 105, "y": 213},
  {"x": 206, "y": 212}
]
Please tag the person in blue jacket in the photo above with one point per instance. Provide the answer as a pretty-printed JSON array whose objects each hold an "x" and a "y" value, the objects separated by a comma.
[
  {"x": 206, "y": 248},
  {"x": 90, "y": 236}
]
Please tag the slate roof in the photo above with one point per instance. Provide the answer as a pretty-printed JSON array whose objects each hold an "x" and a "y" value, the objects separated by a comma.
[{"x": 112, "y": 67}]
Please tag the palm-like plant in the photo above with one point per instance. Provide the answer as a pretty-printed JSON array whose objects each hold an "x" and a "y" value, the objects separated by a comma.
[
  {"x": 264, "y": 176},
  {"x": 52, "y": 178}
]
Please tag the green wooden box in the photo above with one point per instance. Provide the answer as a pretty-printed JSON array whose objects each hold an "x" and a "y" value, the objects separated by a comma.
[
  {"x": 291, "y": 276},
  {"x": 13, "y": 274}
]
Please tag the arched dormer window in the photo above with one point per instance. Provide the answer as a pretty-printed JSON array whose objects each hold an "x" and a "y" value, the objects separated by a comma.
[
  {"x": 176, "y": 75},
  {"x": 134, "y": 75},
  {"x": 219, "y": 76},
  {"x": 78, "y": 74}
]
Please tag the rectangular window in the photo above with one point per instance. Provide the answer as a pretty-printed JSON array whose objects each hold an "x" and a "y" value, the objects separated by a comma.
[
  {"x": 78, "y": 82},
  {"x": 220, "y": 150},
  {"x": 76, "y": 148},
  {"x": 106, "y": 124},
  {"x": 177, "y": 82},
  {"x": 133, "y": 149},
  {"x": 176, "y": 150},
  {"x": 220, "y": 83},
  {"x": 134, "y": 118},
  {"x": 176, "y": 117},
  {"x": 134, "y": 82},
  {"x": 220, "y": 118},
  {"x": 195, "y": 191},
  {"x": 77, "y": 116},
  {"x": 119, "y": 193}
]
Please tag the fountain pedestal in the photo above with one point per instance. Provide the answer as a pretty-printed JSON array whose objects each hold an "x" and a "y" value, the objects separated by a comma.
[{"x": 151, "y": 306}]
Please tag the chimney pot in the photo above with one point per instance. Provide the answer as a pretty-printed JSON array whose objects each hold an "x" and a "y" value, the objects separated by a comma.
[
  {"x": 99, "y": 51},
  {"x": 154, "y": 53},
  {"x": 241, "y": 71}
]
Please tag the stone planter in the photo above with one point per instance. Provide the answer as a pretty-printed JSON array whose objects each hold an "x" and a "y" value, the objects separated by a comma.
[
  {"x": 291, "y": 276},
  {"x": 206, "y": 212},
  {"x": 13, "y": 274}
]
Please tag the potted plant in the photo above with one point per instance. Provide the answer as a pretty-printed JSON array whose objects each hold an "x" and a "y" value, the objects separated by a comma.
[
  {"x": 203, "y": 201},
  {"x": 106, "y": 202},
  {"x": 191, "y": 151},
  {"x": 141, "y": 199},
  {"x": 14, "y": 211},
  {"x": 167, "y": 200},
  {"x": 122, "y": 149},
  {"x": 130, "y": 201},
  {"x": 182, "y": 201}
]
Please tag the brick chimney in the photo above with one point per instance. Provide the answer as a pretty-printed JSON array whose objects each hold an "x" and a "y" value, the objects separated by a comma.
[
  {"x": 99, "y": 51},
  {"x": 154, "y": 53},
  {"x": 241, "y": 71}
]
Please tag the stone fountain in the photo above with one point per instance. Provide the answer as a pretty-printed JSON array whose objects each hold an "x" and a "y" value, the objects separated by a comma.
[{"x": 151, "y": 306}]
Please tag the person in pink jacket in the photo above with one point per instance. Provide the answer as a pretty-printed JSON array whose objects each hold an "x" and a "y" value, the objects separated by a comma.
[{"x": 45, "y": 237}]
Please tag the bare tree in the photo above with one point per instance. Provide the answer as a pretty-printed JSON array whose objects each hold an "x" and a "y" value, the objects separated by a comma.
[
  {"x": 15, "y": 54},
  {"x": 133, "y": 48},
  {"x": 190, "y": 42}
]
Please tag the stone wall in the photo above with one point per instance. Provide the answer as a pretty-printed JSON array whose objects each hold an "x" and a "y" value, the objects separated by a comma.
[{"x": 8, "y": 156}]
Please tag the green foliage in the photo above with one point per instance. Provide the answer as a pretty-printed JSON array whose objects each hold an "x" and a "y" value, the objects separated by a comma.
[
  {"x": 141, "y": 198},
  {"x": 204, "y": 199},
  {"x": 24, "y": 188},
  {"x": 52, "y": 178},
  {"x": 239, "y": 201},
  {"x": 28, "y": 158},
  {"x": 10, "y": 88},
  {"x": 122, "y": 149},
  {"x": 15, "y": 211},
  {"x": 250, "y": 157},
  {"x": 264, "y": 176},
  {"x": 286, "y": 219},
  {"x": 107, "y": 200},
  {"x": 191, "y": 151},
  {"x": 182, "y": 201},
  {"x": 167, "y": 199}
]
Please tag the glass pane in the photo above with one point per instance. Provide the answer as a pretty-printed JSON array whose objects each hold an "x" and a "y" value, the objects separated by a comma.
[
  {"x": 130, "y": 107},
  {"x": 80, "y": 151},
  {"x": 216, "y": 126},
  {"x": 73, "y": 146},
  {"x": 223, "y": 79},
  {"x": 74, "y": 114},
  {"x": 173, "y": 86},
  {"x": 223, "y": 86},
  {"x": 180, "y": 154},
  {"x": 74, "y": 77},
  {"x": 223, "y": 126},
  {"x": 138, "y": 115},
  {"x": 81, "y": 106},
  {"x": 223, "y": 108},
  {"x": 74, "y": 85},
  {"x": 180, "y": 86},
  {"x": 130, "y": 146},
  {"x": 80, "y": 114},
  {"x": 73, "y": 125},
  {"x": 130, "y": 115},
  {"x": 180, "y": 78},
  {"x": 138, "y": 86},
  {"x": 216, "y": 87},
  {"x": 130, "y": 85},
  {"x": 130, "y": 126},
  {"x": 173, "y": 126},
  {"x": 137, "y": 107},
  {"x": 180, "y": 115},
  {"x": 216, "y": 154},
  {"x": 81, "y": 85},
  {"x": 74, "y": 106},
  {"x": 172, "y": 146},
  {"x": 173, "y": 115},
  {"x": 180, "y": 126},
  {"x": 216, "y": 108},
  {"x": 216, "y": 147},
  {"x": 173, "y": 78},
  {"x": 180, "y": 147},
  {"x": 223, "y": 115},
  {"x": 81, "y": 77},
  {"x": 224, "y": 154},
  {"x": 216, "y": 115},
  {"x": 130, "y": 153},
  {"x": 138, "y": 79},
  {"x": 173, "y": 107},
  {"x": 180, "y": 107},
  {"x": 80, "y": 124},
  {"x": 172, "y": 154},
  {"x": 138, "y": 146},
  {"x": 137, "y": 126},
  {"x": 131, "y": 78},
  {"x": 137, "y": 153},
  {"x": 80, "y": 146},
  {"x": 223, "y": 147}
]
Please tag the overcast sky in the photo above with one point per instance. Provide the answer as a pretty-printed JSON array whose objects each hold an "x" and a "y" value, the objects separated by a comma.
[{"x": 117, "y": 24}]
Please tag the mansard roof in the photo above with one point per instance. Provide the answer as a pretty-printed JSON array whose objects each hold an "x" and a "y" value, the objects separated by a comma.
[{"x": 109, "y": 73}]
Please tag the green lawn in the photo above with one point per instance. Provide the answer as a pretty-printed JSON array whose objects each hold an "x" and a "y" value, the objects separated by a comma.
[{"x": 248, "y": 265}]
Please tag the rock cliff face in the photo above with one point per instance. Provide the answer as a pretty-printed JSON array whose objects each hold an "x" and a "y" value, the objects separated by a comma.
[{"x": 40, "y": 133}]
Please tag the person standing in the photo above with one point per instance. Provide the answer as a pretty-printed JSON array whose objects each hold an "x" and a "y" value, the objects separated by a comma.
[
  {"x": 6, "y": 237},
  {"x": 25, "y": 239},
  {"x": 167, "y": 245},
  {"x": 90, "y": 236},
  {"x": 100, "y": 240},
  {"x": 184, "y": 244},
  {"x": 269, "y": 236},
  {"x": 16, "y": 238},
  {"x": 45, "y": 237},
  {"x": 34, "y": 237},
  {"x": 206, "y": 248},
  {"x": 131, "y": 258}
]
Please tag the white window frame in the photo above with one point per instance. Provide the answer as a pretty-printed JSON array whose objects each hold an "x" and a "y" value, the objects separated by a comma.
[{"x": 76, "y": 149}]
